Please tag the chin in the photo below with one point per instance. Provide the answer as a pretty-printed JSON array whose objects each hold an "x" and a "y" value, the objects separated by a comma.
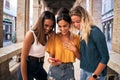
[{"x": 64, "y": 34}]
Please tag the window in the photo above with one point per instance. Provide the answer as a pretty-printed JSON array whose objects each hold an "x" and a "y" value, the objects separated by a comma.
[{"x": 7, "y": 4}]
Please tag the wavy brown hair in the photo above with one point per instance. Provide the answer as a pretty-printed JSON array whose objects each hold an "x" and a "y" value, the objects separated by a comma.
[{"x": 38, "y": 28}]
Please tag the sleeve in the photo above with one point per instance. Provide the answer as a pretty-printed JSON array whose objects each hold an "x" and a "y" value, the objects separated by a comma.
[
  {"x": 50, "y": 47},
  {"x": 77, "y": 41},
  {"x": 100, "y": 42}
]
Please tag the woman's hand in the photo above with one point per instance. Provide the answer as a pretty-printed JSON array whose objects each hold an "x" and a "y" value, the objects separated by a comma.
[
  {"x": 91, "y": 78},
  {"x": 71, "y": 46},
  {"x": 53, "y": 61}
]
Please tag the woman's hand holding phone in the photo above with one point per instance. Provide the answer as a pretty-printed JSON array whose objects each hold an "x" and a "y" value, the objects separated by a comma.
[{"x": 54, "y": 61}]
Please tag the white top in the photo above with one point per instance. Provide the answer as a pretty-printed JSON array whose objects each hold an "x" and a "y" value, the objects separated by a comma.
[{"x": 36, "y": 50}]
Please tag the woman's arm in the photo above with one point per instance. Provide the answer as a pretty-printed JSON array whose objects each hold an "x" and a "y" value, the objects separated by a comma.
[
  {"x": 54, "y": 61},
  {"x": 98, "y": 38},
  {"x": 98, "y": 70},
  {"x": 25, "y": 51}
]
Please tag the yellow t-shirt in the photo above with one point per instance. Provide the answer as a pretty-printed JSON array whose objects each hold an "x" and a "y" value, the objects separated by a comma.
[{"x": 56, "y": 49}]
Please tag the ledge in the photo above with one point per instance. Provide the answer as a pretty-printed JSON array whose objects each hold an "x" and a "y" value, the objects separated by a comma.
[
  {"x": 10, "y": 51},
  {"x": 114, "y": 62}
]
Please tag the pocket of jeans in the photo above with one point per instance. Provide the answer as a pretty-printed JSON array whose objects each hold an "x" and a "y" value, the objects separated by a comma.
[{"x": 55, "y": 70}]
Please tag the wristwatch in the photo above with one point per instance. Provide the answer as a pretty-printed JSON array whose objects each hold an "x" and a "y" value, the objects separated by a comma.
[{"x": 94, "y": 76}]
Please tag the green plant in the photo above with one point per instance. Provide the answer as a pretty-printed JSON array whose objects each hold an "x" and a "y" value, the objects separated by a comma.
[{"x": 14, "y": 37}]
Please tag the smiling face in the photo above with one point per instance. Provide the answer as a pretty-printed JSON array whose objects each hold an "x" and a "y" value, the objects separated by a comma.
[
  {"x": 76, "y": 21},
  {"x": 48, "y": 24},
  {"x": 64, "y": 27}
]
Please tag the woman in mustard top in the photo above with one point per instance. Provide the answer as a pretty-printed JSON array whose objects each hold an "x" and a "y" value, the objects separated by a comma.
[{"x": 63, "y": 48}]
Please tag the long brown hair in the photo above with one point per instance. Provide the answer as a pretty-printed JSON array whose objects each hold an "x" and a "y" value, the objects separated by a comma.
[{"x": 38, "y": 28}]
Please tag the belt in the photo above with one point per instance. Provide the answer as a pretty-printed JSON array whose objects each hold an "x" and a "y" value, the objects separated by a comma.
[
  {"x": 41, "y": 59},
  {"x": 66, "y": 62}
]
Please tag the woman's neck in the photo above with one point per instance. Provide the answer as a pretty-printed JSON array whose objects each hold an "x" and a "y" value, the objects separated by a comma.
[{"x": 66, "y": 37}]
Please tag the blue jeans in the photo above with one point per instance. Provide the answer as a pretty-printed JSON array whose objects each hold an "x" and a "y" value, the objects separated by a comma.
[
  {"x": 84, "y": 75},
  {"x": 61, "y": 72},
  {"x": 35, "y": 70}
]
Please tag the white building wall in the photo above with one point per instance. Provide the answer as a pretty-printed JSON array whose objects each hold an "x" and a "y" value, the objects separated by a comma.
[
  {"x": 107, "y": 5},
  {"x": 12, "y": 10}
]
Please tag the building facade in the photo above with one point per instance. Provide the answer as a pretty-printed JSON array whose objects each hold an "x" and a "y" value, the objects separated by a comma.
[
  {"x": 107, "y": 18},
  {"x": 9, "y": 20}
]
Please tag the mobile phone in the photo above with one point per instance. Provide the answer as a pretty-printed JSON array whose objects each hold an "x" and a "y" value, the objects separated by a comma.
[{"x": 53, "y": 59}]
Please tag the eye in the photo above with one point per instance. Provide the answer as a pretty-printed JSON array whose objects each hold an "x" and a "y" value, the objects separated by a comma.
[
  {"x": 77, "y": 21},
  {"x": 59, "y": 26},
  {"x": 46, "y": 25},
  {"x": 65, "y": 26}
]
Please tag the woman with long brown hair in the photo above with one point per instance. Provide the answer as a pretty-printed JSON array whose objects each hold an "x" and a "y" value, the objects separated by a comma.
[{"x": 33, "y": 50}]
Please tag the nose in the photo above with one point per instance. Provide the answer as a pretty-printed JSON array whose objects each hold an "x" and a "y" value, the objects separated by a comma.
[{"x": 76, "y": 24}]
